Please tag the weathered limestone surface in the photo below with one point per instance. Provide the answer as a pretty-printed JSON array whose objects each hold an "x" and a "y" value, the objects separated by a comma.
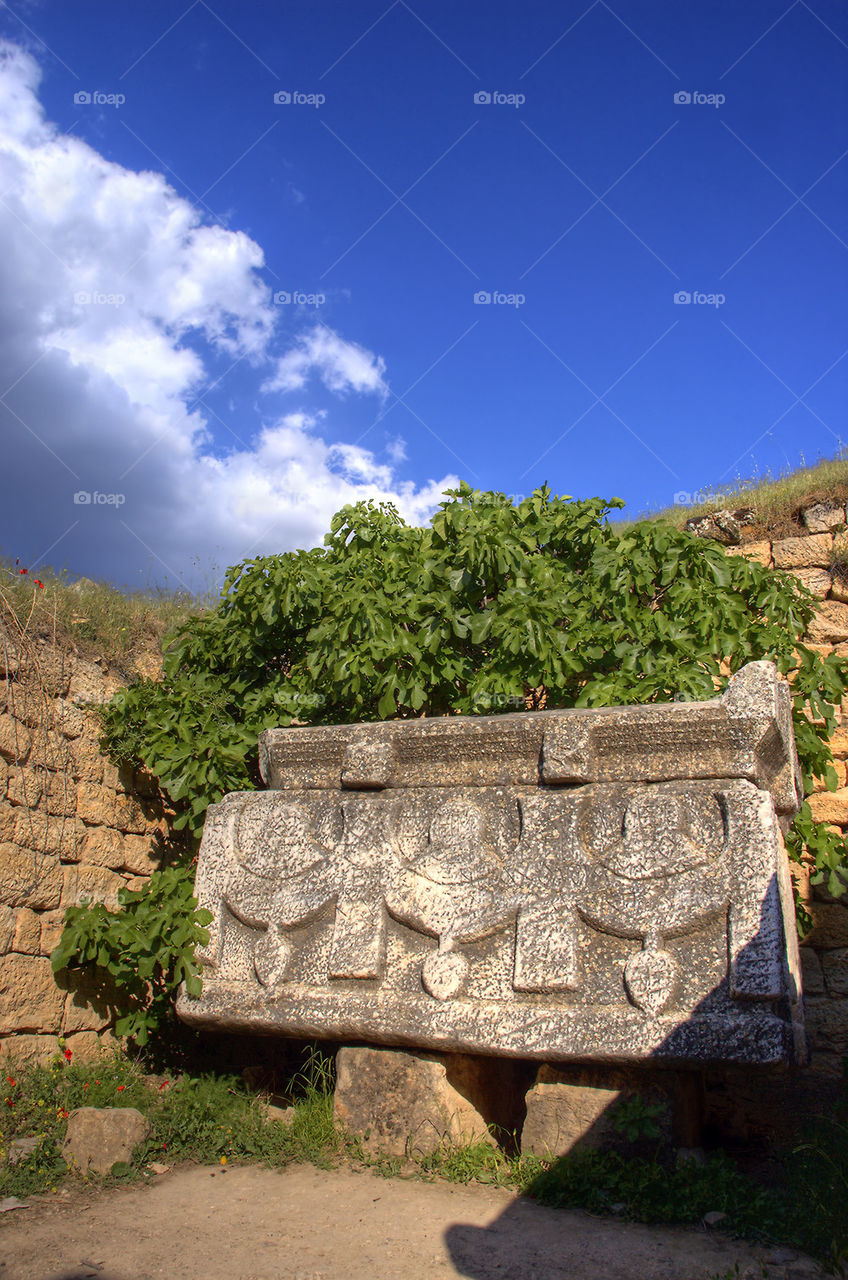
[
  {"x": 403, "y": 1104},
  {"x": 606, "y": 885},
  {"x": 72, "y": 826},
  {"x": 99, "y": 1137}
]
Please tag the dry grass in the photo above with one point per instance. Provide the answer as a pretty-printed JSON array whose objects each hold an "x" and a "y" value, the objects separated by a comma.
[
  {"x": 776, "y": 500},
  {"x": 93, "y": 619}
]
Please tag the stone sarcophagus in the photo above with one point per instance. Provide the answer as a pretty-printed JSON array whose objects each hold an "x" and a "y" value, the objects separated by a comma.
[{"x": 586, "y": 884}]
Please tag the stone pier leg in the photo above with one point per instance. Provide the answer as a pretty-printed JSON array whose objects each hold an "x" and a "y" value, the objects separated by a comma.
[{"x": 402, "y": 1103}]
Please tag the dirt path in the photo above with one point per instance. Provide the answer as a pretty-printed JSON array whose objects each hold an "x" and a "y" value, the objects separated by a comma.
[{"x": 308, "y": 1224}]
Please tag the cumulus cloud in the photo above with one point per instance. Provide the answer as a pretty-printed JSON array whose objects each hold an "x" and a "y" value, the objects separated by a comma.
[
  {"x": 119, "y": 306},
  {"x": 342, "y": 366}
]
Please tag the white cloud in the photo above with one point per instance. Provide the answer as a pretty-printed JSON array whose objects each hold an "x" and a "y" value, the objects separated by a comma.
[
  {"x": 342, "y": 366},
  {"x": 103, "y": 392}
]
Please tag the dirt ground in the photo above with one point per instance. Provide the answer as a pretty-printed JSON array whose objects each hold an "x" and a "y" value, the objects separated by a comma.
[{"x": 302, "y": 1223}]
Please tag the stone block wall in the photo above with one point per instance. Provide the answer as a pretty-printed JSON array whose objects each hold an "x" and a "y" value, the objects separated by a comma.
[
  {"x": 72, "y": 827},
  {"x": 814, "y": 559}
]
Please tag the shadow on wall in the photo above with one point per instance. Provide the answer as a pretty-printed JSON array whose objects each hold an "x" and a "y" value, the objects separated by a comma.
[{"x": 674, "y": 1096}]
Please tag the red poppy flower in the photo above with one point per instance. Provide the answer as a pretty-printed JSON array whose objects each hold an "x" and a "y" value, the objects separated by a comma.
[
  {"x": 10, "y": 1081},
  {"x": 120, "y": 1087},
  {"x": 22, "y": 571},
  {"x": 39, "y": 583},
  {"x": 68, "y": 1054}
]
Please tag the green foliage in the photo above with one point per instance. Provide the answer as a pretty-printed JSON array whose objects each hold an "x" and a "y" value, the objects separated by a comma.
[
  {"x": 147, "y": 947},
  {"x": 481, "y": 612},
  {"x": 637, "y": 1119},
  {"x": 36, "y": 1101},
  {"x": 820, "y": 1178},
  {"x": 213, "y": 1119},
  {"x": 648, "y": 1191}
]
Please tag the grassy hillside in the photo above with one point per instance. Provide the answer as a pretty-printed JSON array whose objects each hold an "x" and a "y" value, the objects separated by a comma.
[{"x": 776, "y": 501}]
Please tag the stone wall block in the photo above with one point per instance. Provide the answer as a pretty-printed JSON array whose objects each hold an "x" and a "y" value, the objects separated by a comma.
[
  {"x": 95, "y": 805},
  {"x": 827, "y": 1025},
  {"x": 102, "y": 847},
  {"x": 835, "y": 970},
  {"x": 60, "y": 794},
  {"x": 140, "y": 855},
  {"x": 27, "y": 936},
  {"x": 8, "y": 817},
  {"x": 830, "y": 926},
  {"x": 811, "y": 969},
  {"x": 760, "y": 552},
  {"x": 813, "y": 552},
  {"x": 7, "y": 929},
  {"x": 46, "y": 833},
  {"x": 830, "y": 806},
  {"x": 87, "y": 1046},
  {"x": 91, "y": 683},
  {"x": 15, "y": 739},
  {"x": 29, "y": 998},
  {"x": 841, "y": 770},
  {"x": 89, "y": 1002},
  {"x": 28, "y": 1050},
  {"x": 55, "y": 669},
  {"x": 25, "y": 786},
  {"x": 29, "y": 879},
  {"x": 49, "y": 750},
  {"x": 52, "y": 924},
  {"x": 130, "y": 815},
  {"x": 818, "y": 581},
  {"x": 69, "y": 719},
  {"x": 85, "y": 760},
  {"x": 830, "y": 622},
  {"x": 94, "y": 884}
]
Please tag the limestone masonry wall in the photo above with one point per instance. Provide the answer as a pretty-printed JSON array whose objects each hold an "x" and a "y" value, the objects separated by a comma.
[
  {"x": 815, "y": 559},
  {"x": 72, "y": 827}
]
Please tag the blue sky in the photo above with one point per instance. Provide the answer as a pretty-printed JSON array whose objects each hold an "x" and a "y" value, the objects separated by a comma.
[{"x": 226, "y": 315}]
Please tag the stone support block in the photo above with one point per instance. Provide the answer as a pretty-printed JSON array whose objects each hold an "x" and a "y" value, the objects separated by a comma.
[{"x": 403, "y": 1104}]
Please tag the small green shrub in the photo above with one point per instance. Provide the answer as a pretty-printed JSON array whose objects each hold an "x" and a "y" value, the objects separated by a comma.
[{"x": 146, "y": 947}]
